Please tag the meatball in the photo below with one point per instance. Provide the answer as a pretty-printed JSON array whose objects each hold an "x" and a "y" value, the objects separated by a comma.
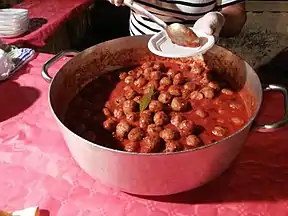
[
  {"x": 140, "y": 82},
  {"x": 219, "y": 131},
  {"x": 193, "y": 141},
  {"x": 123, "y": 75},
  {"x": 160, "y": 118},
  {"x": 131, "y": 146},
  {"x": 174, "y": 90},
  {"x": 179, "y": 104},
  {"x": 129, "y": 79},
  {"x": 178, "y": 79},
  {"x": 214, "y": 86},
  {"x": 150, "y": 144},
  {"x": 237, "y": 121},
  {"x": 153, "y": 83},
  {"x": 196, "y": 95},
  {"x": 165, "y": 81},
  {"x": 206, "y": 79},
  {"x": 122, "y": 129},
  {"x": 165, "y": 97},
  {"x": 136, "y": 134},
  {"x": 109, "y": 124},
  {"x": 146, "y": 65},
  {"x": 129, "y": 92},
  {"x": 132, "y": 73},
  {"x": 139, "y": 73},
  {"x": 196, "y": 68},
  {"x": 120, "y": 100},
  {"x": 171, "y": 73},
  {"x": 147, "y": 112},
  {"x": 155, "y": 106},
  {"x": 159, "y": 66},
  {"x": 185, "y": 93},
  {"x": 168, "y": 134},
  {"x": 227, "y": 91},
  {"x": 129, "y": 106},
  {"x": 145, "y": 120},
  {"x": 201, "y": 113},
  {"x": 186, "y": 127},
  {"x": 184, "y": 67},
  {"x": 132, "y": 117},
  {"x": 176, "y": 119},
  {"x": 118, "y": 113},
  {"x": 127, "y": 88},
  {"x": 207, "y": 92},
  {"x": 106, "y": 112},
  {"x": 172, "y": 146},
  {"x": 137, "y": 99},
  {"x": 155, "y": 75},
  {"x": 153, "y": 130},
  {"x": 147, "y": 73},
  {"x": 190, "y": 86}
]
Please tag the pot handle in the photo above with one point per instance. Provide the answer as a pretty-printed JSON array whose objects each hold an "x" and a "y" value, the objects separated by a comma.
[
  {"x": 284, "y": 121},
  {"x": 46, "y": 76}
]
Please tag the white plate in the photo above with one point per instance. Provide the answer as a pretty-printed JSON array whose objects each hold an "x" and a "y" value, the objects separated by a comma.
[
  {"x": 161, "y": 45},
  {"x": 13, "y": 20},
  {"x": 10, "y": 26},
  {"x": 13, "y": 26},
  {"x": 12, "y": 34},
  {"x": 13, "y": 12},
  {"x": 13, "y": 30}
]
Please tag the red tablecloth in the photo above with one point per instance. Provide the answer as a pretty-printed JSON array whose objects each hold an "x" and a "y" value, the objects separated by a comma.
[
  {"x": 46, "y": 16},
  {"x": 37, "y": 169}
]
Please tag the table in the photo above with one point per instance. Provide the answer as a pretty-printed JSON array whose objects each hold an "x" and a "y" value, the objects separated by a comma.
[
  {"x": 46, "y": 17},
  {"x": 37, "y": 169}
]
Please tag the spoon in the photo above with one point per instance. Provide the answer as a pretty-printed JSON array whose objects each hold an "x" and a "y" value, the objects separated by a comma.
[{"x": 178, "y": 33}]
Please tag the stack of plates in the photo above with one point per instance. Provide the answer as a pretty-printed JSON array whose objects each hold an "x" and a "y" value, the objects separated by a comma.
[{"x": 13, "y": 22}]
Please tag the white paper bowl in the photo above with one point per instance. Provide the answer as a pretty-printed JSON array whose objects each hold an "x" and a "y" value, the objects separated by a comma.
[{"x": 161, "y": 45}]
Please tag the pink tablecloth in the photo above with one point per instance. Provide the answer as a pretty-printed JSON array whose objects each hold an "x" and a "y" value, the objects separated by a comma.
[
  {"x": 46, "y": 17},
  {"x": 37, "y": 169}
]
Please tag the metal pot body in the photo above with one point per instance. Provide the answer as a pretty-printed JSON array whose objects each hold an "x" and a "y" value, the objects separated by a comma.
[{"x": 149, "y": 174}]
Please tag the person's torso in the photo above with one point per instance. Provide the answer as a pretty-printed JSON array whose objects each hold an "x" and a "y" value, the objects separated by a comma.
[{"x": 170, "y": 11}]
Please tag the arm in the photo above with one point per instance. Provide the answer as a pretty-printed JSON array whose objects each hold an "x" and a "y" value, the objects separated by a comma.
[{"x": 235, "y": 16}]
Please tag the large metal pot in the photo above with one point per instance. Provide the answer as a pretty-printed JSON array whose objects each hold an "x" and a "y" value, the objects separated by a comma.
[{"x": 152, "y": 174}]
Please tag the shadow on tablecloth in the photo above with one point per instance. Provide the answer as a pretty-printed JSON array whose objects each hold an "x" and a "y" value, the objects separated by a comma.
[
  {"x": 35, "y": 24},
  {"x": 14, "y": 99}
]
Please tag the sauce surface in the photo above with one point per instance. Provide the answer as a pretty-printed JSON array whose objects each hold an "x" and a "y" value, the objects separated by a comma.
[{"x": 184, "y": 106}]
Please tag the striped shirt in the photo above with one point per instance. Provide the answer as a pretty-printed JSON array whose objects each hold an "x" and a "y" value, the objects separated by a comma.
[{"x": 171, "y": 11}]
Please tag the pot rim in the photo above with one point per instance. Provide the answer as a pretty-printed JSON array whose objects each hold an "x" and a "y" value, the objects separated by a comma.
[{"x": 252, "y": 118}]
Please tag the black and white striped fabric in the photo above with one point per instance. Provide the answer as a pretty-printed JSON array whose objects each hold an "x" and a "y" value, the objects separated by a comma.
[{"x": 171, "y": 11}]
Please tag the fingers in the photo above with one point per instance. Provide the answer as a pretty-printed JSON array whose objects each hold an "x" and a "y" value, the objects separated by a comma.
[
  {"x": 201, "y": 24},
  {"x": 211, "y": 23}
]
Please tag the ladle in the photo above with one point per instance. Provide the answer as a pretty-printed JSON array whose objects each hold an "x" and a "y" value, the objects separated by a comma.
[{"x": 178, "y": 33}]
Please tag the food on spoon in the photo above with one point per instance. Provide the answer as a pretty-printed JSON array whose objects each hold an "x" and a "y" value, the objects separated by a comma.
[
  {"x": 182, "y": 36},
  {"x": 169, "y": 107}
]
